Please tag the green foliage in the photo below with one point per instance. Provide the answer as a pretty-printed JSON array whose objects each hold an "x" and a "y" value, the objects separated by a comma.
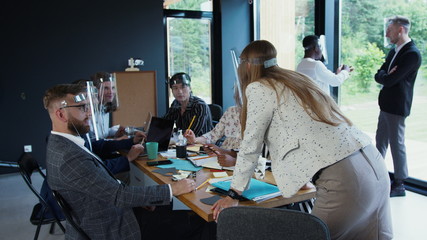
[
  {"x": 363, "y": 37},
  {"x": 366, "y": 64},
  {"x": 189, "y": 51},
  {"x": 187, "y": 5}
]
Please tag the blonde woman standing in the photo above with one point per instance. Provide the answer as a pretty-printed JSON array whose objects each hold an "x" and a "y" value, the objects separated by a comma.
[{"x": 309, "y": 139}]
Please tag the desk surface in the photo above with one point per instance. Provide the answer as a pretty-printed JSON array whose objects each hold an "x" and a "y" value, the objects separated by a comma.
[{"x": 192, "y": 200}]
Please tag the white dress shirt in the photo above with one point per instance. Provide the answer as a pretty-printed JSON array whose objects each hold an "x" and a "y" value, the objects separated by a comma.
[{"x": 322, "y": 76}]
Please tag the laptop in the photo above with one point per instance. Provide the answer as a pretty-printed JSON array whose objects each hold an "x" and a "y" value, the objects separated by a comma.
[{"x": 160, "y": 130}]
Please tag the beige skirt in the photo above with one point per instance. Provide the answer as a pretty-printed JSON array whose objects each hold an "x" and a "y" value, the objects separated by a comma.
[{"x": 353, "y": 197}]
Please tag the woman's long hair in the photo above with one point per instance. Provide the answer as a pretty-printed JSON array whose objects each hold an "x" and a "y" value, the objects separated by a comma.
[{"x": 315, "y": 102}]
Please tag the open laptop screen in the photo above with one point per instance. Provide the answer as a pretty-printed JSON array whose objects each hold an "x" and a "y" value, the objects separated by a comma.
[{"x": 160, "y": 131}]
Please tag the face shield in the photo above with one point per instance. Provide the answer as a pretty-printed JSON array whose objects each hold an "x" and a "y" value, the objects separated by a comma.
[
  {"x": 86, "y": 102},
  {"x": 237, "y": 87},
  {"x": 322, "y": 46},
  {"x": 107, "y": 93}
]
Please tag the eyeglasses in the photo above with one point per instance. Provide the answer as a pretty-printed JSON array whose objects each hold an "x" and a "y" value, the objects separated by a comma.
[{"x": 82, "y": 107}]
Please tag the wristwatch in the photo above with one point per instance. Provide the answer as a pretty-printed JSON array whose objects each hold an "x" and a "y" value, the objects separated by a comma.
[{"x": 234, "y": 195}]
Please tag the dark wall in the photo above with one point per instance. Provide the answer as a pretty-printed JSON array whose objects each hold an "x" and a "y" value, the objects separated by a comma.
[{"x": 49, "y": 42}]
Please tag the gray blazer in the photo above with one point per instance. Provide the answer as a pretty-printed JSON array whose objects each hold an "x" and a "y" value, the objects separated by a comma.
[{"x": 102, "y": 205}]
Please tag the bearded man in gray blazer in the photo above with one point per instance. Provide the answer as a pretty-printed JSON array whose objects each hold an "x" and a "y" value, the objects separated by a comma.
[
  {"x": 103, "y": 206},
  {"x": 397, "y": 76}
]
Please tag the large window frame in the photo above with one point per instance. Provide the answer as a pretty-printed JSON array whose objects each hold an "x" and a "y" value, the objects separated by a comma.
[{"x": 215, "y": 43}]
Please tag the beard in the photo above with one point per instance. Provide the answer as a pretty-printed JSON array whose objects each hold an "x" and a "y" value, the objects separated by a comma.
[{"x": 78, "y": 127}]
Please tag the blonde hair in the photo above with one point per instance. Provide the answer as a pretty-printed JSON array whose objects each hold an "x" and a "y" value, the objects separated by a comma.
[{"x": 319, "y": 106}]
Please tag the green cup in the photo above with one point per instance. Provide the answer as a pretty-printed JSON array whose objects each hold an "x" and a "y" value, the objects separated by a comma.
[{"x": 152, "y": 149}]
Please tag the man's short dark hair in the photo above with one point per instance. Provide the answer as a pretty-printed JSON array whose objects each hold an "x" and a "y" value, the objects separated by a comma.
[
  {"x": 310, "y": 42},
  {"x": 400, "y": 20},
  {"x": 60, "y": 92}
]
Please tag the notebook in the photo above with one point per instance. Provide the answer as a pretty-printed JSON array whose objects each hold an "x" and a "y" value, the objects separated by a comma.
[
  {"x": 160, "y": 130},
  {"x": 258, "y": 191}
]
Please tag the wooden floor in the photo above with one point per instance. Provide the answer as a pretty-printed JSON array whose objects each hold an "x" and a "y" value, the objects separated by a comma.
[{"x": 17, "y": 201}]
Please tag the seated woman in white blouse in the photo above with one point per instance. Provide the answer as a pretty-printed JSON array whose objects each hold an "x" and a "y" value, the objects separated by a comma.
[
  {"x": 228, "y": 127},
  {"x": 308, "y": 138}
]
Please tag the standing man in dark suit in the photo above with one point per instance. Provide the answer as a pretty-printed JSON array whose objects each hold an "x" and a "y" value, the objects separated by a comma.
[
  {"x": 103, "y": 206},
  {"x": 397, "y": 76}
]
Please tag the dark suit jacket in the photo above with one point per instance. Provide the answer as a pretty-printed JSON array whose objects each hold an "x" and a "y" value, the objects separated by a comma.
[
  {"x": 105, "y": 148},
  {"x": 398, "y": 87},
  {"x": 102, "y": 205}
]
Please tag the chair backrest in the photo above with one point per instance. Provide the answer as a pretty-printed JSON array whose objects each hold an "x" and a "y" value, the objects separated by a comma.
[
  {"x": 27, "y": 164},
  {"x": 216, "y": 111},
  {"x": 66, "y": 209},
  {"x": 269, "y": 223}
]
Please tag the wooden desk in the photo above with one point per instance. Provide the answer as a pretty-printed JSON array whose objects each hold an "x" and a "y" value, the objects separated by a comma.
[{"x": 192, "y": 200}]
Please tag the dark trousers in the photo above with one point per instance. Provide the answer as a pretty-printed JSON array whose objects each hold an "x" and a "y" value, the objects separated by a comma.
[{"x": 165, "y": 223}]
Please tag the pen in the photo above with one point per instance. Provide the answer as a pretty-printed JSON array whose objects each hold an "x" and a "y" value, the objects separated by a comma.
[
  {"x": 201, "y": 185},
  {"x": 194, "y": 159},
  {"x": 191, "y": 123}
]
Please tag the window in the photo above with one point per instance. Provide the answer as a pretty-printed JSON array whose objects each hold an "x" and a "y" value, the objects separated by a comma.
[
  {"x": 285, "y": 24},
  {"x": 189, "y": 44},
  {"x": 362, "y": 39},
  {"x": 195, "y": 5}
]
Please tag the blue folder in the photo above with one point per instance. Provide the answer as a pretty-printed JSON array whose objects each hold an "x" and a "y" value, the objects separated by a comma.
[
  {"x": 180, "y": 164},
  {"x": 256, "y": 188}
]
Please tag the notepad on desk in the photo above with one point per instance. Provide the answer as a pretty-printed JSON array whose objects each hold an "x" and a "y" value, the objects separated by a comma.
[
  {"x": 258, "y": 191},
  {"x": 194, "y": 147},
  {"x": 208, "y": 162}
]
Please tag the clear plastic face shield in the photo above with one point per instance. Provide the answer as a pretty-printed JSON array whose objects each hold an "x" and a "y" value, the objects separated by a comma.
[
  {"x": 107, "y": 93},
  {"x": 87, "y": 102},
  {"x": 237, "y": 61},
  {"x": 237, "y": 85},
  {"x": 322, "y": 46}
]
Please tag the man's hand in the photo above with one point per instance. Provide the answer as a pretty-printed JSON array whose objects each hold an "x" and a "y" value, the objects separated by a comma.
[
  {"x": 226, "y": 160},
  {"x": 392, "y": 70},
  {"x": 134, "y": 152},
  {"x": 120, "y": 132},
  {"x": 139, "y": 137},
  {"x": 183, "y": 186}
]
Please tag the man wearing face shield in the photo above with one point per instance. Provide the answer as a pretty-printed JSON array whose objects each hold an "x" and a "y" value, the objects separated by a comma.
[
  {"x": 185, "y": 107},
  {"x": 312, "y": 66},
  {"x": 102, "y": 205},
  {"x": 108, "y": 103}
]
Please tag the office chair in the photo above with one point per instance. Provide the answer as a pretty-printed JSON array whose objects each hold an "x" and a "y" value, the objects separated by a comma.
[
  {"x": 42, "y": 213},
  {"x": 216, "y": 112},
  {"x": 66, "y": 209},
  {"x": 248, "y": 222}
]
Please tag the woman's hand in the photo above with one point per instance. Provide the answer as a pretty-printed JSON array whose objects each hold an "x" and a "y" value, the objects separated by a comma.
[
  {"x": 226, "y": 160},
  {"x": 221, "y": 204},
  {"x": 213, "y": 149},
  {"x": 189, "y": 135}
]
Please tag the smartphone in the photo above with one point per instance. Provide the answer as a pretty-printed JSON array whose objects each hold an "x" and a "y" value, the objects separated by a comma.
[{"x": 162, "y": 162}]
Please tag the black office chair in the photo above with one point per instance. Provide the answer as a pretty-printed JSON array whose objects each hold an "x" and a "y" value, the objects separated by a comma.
[
  {"x": 216, "y": 112},
  {"x": 42, "y": 213},
  {"x": 66, "y": 209},
  {"x": 246, "y": 223}
]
